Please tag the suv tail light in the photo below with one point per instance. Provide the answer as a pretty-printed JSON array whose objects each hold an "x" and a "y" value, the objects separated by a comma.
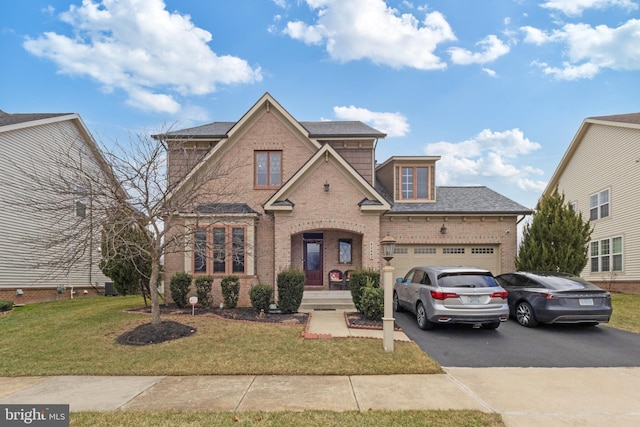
[
  {"x": 439, "y": 295},
  {"x": 503, "y": 295}
]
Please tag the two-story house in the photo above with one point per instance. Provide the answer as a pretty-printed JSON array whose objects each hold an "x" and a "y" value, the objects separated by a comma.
[
  {"x": 599, "y": 176},
  {"x": 311, "y": 195},
  {"x": 37, "y": 148}
]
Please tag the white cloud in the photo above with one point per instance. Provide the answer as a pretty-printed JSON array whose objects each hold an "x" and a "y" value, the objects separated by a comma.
[
  {"x": 576, "y": 7},
  {"x": 489, "y": 71},
  {"x": 491, "y": 49},
  {"x": 591, "y": 49},
  {"x": 369, "y": 29},
  {"x": 487, "y": 156},
  {"x": 139, "y": 47},
  {"x": 393, "y": 124}
]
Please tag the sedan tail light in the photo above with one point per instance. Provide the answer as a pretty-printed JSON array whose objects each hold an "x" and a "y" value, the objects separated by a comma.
[
  {"x": 502, "y": 294},
  {"x": 439, "y": 295}
]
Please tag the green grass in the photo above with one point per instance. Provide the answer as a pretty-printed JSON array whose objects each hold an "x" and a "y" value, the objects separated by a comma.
[
  {"x": 287, "y": 418},
  {"x": 78, "y": 337},
  {"x": 626, "y": 312}
]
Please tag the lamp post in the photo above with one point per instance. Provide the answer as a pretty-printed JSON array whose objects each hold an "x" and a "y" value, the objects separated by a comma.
[{"x": 388, "y": 246}]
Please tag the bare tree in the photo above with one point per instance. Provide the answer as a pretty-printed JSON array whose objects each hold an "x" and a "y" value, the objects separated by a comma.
[{"x": 97, "y": 192}]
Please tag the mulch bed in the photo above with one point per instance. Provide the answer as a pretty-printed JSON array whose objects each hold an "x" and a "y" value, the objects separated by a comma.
[{"x": 147, "y": 333}]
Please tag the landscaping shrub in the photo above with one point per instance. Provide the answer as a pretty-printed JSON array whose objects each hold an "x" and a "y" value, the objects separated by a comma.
[
  {"x": 230, "y": 291},
  {"x": 203, "y": 290},
  {"x": 372, "y": 302},
  {"x": 179, "y": 286},
  {"x": 290, "y": 290},
  {"x": 260, "y": 296},
  {"x": 359, "y": 280},
  {"x": 6, "y": 305}
]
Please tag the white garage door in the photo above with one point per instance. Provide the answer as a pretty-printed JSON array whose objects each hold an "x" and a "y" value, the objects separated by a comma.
[{"x": 481, "y": 256}]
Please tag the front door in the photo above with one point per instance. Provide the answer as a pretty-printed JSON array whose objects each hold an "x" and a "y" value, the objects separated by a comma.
[{"x": 313, "y": 262}]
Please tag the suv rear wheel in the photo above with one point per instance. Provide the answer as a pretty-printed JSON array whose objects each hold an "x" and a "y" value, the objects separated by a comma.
[{"x": 421, "y": 317}]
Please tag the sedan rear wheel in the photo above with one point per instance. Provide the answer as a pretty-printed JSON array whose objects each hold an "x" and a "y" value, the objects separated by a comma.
[
  {"x": 421, "y": 317},
  {"x": 525, "y": 316},
  {"x": 396, "y": 303}
]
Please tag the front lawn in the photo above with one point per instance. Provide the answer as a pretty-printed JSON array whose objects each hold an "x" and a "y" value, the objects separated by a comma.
[
  {"x": 626, "y": 312},
  {"x": 78, "y": 337}
]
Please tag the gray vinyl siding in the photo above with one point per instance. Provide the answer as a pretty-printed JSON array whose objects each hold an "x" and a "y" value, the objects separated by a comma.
[
  {"x": 21, "y": 264},
  {"x": 607, "y": 158}
]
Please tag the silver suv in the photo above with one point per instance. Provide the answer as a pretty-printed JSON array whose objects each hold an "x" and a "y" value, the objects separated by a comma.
[{"x": 451, "y": 295}]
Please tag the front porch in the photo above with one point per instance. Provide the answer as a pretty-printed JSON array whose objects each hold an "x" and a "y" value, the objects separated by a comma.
[{"x": 327, "y": 257}]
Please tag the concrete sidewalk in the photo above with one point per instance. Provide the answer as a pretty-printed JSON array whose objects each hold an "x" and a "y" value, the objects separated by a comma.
[{"x": 523, "y": 396}]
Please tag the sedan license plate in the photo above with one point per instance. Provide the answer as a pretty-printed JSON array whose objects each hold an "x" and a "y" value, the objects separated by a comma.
[
  {"x": 474, "y": 299},
  {"x": 586, "y": 301}
]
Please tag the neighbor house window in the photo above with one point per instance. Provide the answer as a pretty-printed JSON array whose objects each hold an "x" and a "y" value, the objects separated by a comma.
[
  {"x": 226, "y": 255},
  {"x": 268, "y": 165},
  {"x": 81, "y": 201},
  {"x": 415, "y": 182},
  {"x": 344, "y": 256},
  {"x": 606, "y": 255},
  {"x": 599, "y": 205}
]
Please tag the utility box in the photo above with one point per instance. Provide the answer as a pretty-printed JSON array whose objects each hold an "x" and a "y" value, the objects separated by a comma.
[{"x": 109, "y": 289}]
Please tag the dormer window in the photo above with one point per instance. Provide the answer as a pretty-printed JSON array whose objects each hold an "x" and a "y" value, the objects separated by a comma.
[{"x": 415, "y": 182}]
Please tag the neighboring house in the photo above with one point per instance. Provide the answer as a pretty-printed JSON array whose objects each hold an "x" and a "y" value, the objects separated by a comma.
[
  {"x": 28, "y": 270},
  {"x": 599, "y": 176},
  {"x": 310, "y": 195}
]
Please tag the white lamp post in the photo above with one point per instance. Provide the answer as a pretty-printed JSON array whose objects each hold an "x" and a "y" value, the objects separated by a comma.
[{"x": 388, "y": 246}]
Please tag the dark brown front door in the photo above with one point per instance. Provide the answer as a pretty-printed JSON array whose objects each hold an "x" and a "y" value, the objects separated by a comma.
[{"x": 313, "y": 262}]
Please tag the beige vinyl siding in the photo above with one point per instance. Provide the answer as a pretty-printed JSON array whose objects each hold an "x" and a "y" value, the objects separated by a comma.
[
  {"x": 20, "y": 266},
  {"x": 607, "y": 159}
]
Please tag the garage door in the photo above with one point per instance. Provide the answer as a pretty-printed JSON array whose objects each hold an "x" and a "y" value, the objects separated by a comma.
[{"x": 481, "y": 256}]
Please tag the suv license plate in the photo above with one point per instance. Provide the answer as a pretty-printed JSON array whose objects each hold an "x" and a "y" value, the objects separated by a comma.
[
  {"x": 586, "y": 301},
  {"x": 474, "y": 299}
]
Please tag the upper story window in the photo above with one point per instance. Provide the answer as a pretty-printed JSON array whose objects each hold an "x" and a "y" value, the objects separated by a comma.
[
  {"x": 599, "y": 205},
  {"x": 415, "y": 182},
  {"x": 268, "y": 168}
]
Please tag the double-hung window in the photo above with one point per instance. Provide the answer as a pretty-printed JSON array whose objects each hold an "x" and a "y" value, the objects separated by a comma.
[
  {"x": 599, "y": 205},
  {"x": 414, "y": 182},
  {"x": 606, "y": 255},
  {"x": 268, "y": 169}
]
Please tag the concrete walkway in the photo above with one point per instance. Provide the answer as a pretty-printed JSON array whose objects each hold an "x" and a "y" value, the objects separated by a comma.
[{"x": 523, "y": 396}]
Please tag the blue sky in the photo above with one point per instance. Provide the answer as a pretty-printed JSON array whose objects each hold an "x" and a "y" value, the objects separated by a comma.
[{"x": 498, "y": 88}]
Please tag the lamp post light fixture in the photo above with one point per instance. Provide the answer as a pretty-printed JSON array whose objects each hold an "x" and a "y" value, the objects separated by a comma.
[
  {"x": 443, "y": 229},
  {"x": 388, "y": 246}
]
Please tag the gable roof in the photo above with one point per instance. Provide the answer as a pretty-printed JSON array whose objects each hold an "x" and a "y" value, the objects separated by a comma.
[
  {"x": 463, "y": 200},
  {"x": 631, "y": 120},
  {"x": 280, "y": 199},
  {"x": 225, "y": 132}
]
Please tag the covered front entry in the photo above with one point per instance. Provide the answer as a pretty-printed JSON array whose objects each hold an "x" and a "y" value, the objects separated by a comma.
[
  {"x": 312, "y": 261},
  {"x": 326, "y": 254}
]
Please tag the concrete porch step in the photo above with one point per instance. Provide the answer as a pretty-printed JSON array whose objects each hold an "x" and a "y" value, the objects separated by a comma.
[{"x": 327, "y": 300}]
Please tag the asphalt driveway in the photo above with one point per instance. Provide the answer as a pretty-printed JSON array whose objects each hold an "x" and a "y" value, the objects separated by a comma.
[{"x": 511, "y": 345}]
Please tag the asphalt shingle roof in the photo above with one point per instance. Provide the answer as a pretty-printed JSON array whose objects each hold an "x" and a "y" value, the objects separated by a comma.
[
  {"x": 225, "y": 208},
  {"x": 632, "y": 118},
  {"x": 7, "y": 119},
  {"x": 464, "y": 200},
  {"x": 315, "y": 129}
]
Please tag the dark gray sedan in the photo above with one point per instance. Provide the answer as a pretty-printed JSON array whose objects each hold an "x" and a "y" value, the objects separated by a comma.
[{"x": 548, "y": 297}]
